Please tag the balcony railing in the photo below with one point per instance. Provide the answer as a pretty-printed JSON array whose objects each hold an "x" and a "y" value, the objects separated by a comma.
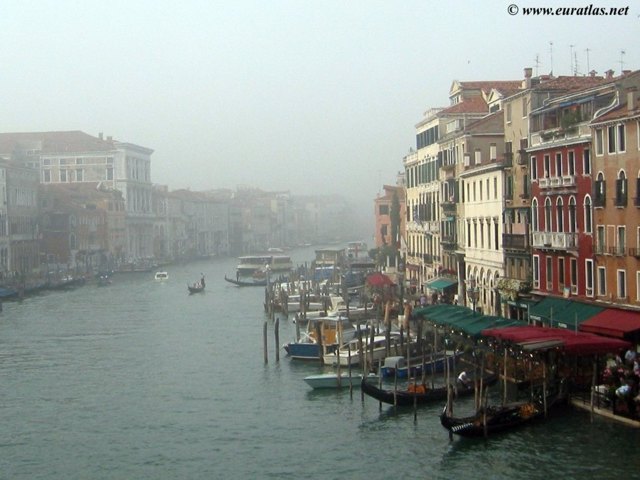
[
  {"x": 634, "y": 252},
  {"x": 515, "y": 241},
  {"x": 523, "y": 157},
  {"x": 449, "y": 208},
  {"x": 508, "y": 159},
  {"x": 553, "y": 135},
  {"x": 557, "y": 182},
  {"x": 555, "y": 240}
]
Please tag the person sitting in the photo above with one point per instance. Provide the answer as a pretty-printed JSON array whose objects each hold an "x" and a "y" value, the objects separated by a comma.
[{"x": 463, "y": 380}]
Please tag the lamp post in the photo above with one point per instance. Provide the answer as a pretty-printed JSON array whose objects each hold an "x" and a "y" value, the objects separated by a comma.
[{"x": 472, "y": 292}]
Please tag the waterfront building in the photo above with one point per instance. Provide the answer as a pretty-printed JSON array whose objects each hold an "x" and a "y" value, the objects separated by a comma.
[
  {"x": 82, "y": 226},
  {"x": 471, "y": 138},
  {"x": 421, "y": 168},
  {"x": 565, "y": 198},
  {"x": 515, "y": 286},
  {"x": 393, "y": 197},
  {"x": 76, "y": 157},
  {"x": 616, "y": 202},
  {"x": 19, "y": 235}
]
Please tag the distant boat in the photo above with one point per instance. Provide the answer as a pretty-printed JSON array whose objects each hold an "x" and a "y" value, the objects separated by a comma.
[
  {"x": 330, "y": 380},
  {"x": 197, "y": 288},
  {"x": 247, "y": 283},
  {"x": 162, "y": 276}
]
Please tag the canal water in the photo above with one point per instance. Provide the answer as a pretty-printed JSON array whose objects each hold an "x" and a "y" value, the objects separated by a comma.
[{"x": 139, "y": 380}]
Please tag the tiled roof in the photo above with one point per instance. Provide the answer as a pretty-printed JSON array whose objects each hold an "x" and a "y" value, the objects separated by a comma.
[
  {"x": 493, "y": 123},
  {"x": 570, "y": 83},
  {"x": 53, "y": 142},
  {"x": 619, "y": 113},
  {"x": 468, "y": 105},
  {"x": 485, "y": 86}
]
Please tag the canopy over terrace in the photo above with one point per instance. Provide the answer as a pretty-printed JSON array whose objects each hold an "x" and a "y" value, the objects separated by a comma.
[
  {"x": 559, "y": 312},
  {"x": 613, "y": 322},
  {"x": 463, "y": 320},
  {"x": 577, "y": 343}
]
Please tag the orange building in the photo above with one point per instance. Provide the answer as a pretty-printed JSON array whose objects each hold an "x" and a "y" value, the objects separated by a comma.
[{"x": 384, "y": 205}]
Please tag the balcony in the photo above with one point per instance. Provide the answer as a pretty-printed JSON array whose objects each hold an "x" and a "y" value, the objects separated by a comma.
[
  {"x": 514, "y": 241},
  {"x": 449, "y": 208},
  {"x": 523, "y": 157},
  {"x": 559, "y": 135},
  {"x": 448, "y": 242},
  {"x": 555, "y": 240}
]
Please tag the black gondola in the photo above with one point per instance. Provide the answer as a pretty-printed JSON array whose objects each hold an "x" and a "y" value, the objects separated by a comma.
[
  {"x": 195, "y": 288},
  {"x": 241, "y": 283},
  {"x": 494, "y": 419},
  {"x": 417, "y": 393}
]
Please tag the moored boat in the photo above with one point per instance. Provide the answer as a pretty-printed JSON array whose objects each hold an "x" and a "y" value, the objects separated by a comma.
[
  {"x": 418, "y": 393},
  {"x": 161, "y": 276},
  {"x": 333, "y": 380},
  {"x": 397, "y": 365},
  {"x": 247, "y": 283},
  {"x": 333, "y": 331}
]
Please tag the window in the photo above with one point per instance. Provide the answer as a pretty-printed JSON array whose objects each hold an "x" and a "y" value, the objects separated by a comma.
[
  {"x": 46, "y": 176},
  {"x": 384, "y": 210},
  {"x": 638, "y": 286},
  {"x": 622, "y": 140},
  {"x": 559, "y": 215},
  {"x": 493, "y": 152},
  {"x": 588, "y": 274},
  {"x": 534, "y": 215},
  {"x": 79, "y": 175},
  {"x": 602, "y": 281},
  {"x": 601, "y": 190},
  {"x": 573, "y": 265},
  {"x": 63, "y": 175},
  {"x": 495, "y": 188},
  {"x": 549, "y": 274},
  {"x": 621, "y": 240},
  {"x": 547, "y": 166},
  {"x": 622, "y": 283},
  {"x": 547, "y": 215},
  {"x": 601, "y": 246},
  {"x": 588, "y": 215},
  {"x": 507, "y": 114},
  {"x": 621, "y": 190},
  {"x": 586, "y": 161},
  {"x": 558, "y": 164},
  {"x": 611, "y": 135},
  {"x": 536, "y": 271},
  {"x": 477, "y": 157},
  {"x": 110, "y": 173},
  {"x": 573, "y": 218},
  {"x": 534, "y": 169},
  {"x": 599, "y": 141},
  {"x": 560, "y": 273},
  {"x": 571, "y": 161}
]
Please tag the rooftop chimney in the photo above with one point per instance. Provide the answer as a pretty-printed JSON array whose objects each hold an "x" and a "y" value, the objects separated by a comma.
[
  {"x": 527, "y": 77},
  {"x": 100, "y": 135},
  {"x": 592, "y": 73},
  {"x": 609, "y": 74}
]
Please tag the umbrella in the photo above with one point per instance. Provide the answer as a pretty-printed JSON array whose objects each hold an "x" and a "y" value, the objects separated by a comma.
[{"x": 378, "y": 279}]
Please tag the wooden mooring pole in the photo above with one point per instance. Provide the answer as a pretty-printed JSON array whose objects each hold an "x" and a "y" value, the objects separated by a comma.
[
  {"x": 277, "y": 337},
  {"x": 264, "y": 342}
]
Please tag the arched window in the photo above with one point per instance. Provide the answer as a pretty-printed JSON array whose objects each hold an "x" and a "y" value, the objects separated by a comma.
[
  {"x": 547, "y": 215},
  {"x": 559, "y": 215},
  {"x": 573, "y": 220},
  {"x": 601, "y": 191},
  {"x": 534, "y": 215},
  {"x": 588, "y": 215},
  {"x": 621, "y": 189}
]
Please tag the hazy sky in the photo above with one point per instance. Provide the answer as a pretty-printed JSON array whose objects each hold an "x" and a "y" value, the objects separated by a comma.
[{"x": 308, "y": 96}]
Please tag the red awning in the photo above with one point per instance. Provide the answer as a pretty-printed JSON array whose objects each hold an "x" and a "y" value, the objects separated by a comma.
[
  {"x": 578, "y": 343},
  {"x": 612, "y": 323}
]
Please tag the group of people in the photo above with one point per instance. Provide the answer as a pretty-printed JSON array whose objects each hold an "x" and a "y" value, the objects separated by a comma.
[{"x": 622, "y": 376}]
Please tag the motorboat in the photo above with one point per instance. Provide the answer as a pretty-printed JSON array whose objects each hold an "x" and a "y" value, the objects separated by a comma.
[
  {"x": 398, "y": 366},
  {"x": 333, "y": 380},
  {"x": 161, "y": 276},
  {"x": 374, "y": 350},
  {"x": 333, "y": 331}
]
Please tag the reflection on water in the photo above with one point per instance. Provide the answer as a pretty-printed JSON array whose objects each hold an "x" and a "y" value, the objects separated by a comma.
[{"x": 139, "y": 379}]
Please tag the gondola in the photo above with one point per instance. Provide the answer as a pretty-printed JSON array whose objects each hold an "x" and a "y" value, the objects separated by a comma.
[
  {"x": 417, "y": 393},
  {"x": 241, "y": 283},
  {"x": 494, "y": 419},
  {"x": 195, "y": 288}
]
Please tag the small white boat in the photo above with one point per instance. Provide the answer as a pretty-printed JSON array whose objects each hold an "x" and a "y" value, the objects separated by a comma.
[
  {"x": 331, "y": 380},
  {"x": 162, "y": 276},
  {"x": 349, "y": 353}
]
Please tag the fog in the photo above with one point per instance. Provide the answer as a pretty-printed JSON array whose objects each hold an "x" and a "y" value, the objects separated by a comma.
[{"x": 305, "y": 96}]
